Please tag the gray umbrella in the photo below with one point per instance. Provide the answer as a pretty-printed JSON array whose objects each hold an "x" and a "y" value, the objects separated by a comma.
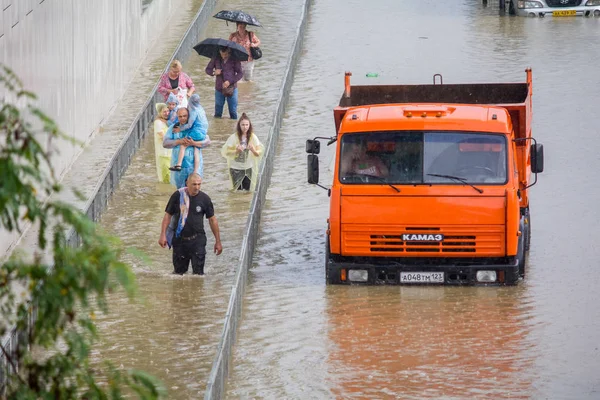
[{"x": 237, "y": 16}]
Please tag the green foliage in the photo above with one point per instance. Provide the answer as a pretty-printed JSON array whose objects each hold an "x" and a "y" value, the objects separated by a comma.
[{"x": 67, "y": 285}]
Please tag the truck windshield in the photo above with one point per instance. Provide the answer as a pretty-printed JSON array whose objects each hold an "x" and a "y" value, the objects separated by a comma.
[{"x": 405, "y": 157}]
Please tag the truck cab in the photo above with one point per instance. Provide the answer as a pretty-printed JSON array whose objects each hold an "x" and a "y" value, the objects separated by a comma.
[{"x": 430, "y": 184}]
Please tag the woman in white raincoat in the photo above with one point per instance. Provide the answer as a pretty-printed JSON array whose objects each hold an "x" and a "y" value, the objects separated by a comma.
[
  {"x": 243, "y": 151},
  {"x": 162, "y": 155}
]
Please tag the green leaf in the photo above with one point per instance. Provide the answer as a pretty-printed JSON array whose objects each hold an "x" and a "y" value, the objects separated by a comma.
[{"x": 146, "y": 386}]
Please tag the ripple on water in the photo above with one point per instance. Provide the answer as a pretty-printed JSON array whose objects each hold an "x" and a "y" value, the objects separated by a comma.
[
  {"x": 300, "y": 338},
  {"x": 173, "y": 328}
]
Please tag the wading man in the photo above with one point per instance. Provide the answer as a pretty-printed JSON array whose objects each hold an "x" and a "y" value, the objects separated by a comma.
[
  {"x": 174, "y": 137},
  {"x": 186, "y": 208}
]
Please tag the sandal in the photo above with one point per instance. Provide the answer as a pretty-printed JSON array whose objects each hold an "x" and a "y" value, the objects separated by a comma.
[{"x": 175, "y": 168}]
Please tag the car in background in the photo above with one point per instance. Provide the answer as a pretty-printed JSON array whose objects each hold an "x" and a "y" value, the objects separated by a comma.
[{"x": 554, "y": 8}]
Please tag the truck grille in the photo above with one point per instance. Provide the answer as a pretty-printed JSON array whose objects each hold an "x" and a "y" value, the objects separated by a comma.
[
  {"x": 563, "y": 3},
  {"x": 460, "y": 241},
  {"x": 451, "y": 244}
]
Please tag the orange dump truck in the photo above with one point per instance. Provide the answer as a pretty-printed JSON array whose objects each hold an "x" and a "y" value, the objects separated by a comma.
[{"x": 431, "y": 183}]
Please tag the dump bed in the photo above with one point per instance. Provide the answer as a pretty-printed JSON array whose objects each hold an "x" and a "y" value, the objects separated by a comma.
[
  {"x": 485, "y": 93},
  {"x": 515, "y": 97}
]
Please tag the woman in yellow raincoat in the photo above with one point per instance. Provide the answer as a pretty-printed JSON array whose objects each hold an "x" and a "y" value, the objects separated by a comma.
[
  {"x": 162, "y": 155},
  {"x": 243, "y": 151}
]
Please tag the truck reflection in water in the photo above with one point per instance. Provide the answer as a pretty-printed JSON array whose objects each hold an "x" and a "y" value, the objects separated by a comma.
[{"x": 426, "y": 342}]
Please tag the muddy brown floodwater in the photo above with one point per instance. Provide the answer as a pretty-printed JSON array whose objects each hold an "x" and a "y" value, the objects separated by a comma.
[
  {"x": 302, "y": 339},
  {"x": 173, "y": 329}
]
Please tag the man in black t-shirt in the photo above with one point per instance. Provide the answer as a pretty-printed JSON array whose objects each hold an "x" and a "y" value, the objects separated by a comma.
[{"x": 190, "y": 244}]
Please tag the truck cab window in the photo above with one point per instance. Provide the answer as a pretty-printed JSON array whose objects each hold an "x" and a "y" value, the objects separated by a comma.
[
  {"x": 381, "y": 157},
  {"x": 478, "y": 158},
  {"x": 404, "y": 157}
]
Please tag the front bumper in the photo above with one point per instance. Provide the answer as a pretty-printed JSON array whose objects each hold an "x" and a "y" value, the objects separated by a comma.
[
  {"x": 580, "y": 11},
  {"x": 455, "y": 275}
]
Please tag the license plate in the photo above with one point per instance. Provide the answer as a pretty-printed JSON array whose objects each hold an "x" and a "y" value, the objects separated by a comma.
[
  {"x": 421, "y": 277},
  {"x": 565, "y": 13}
]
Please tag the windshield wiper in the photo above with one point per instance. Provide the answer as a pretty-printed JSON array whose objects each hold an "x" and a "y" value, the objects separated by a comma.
[
  {"x": 457, "y": 178},
  {"x": 386, "y": 182}
]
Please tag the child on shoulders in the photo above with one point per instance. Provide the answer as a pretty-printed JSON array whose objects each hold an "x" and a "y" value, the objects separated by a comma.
[
  {"x": 196, "y": 127},
  {"x": 172, "y": 104}
]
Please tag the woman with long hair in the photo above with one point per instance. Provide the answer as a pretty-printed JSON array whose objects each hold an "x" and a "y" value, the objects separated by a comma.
[{"x": 243, "y": 151}]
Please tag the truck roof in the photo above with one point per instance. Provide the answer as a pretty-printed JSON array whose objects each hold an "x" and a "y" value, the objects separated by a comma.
[{"x": 463, "y": 117}]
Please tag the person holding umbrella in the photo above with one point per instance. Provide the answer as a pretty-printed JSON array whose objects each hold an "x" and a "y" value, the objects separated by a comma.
[
  {"x": 228, "y": 71},
  {"x": 247, "y": 39}
]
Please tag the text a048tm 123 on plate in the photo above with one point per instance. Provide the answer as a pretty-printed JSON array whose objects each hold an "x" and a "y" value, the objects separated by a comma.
[{"x": 421, "y": 277}]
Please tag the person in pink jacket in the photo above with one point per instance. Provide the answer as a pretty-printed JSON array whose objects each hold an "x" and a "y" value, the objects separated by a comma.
[{"x": 177, "y": 82}]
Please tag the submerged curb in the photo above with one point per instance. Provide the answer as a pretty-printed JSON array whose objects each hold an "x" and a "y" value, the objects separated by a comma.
[{"x": 220, "y": 368}]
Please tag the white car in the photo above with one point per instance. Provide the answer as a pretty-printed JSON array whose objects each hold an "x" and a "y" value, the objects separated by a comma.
[{"x": 554, "y": 8}]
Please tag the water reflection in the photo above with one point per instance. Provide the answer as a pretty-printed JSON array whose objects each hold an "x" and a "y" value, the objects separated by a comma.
[
  {"x": 432, "y": 342},
  {"x": 300, "y": 338}
]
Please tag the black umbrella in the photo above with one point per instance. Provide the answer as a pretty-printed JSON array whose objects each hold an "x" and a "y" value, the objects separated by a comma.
[
  {"x": 237, "y": 16},
  {"x": 210, "y": 48}
]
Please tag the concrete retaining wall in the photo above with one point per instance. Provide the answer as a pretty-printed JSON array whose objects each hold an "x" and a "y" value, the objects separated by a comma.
[
  {"x": 220, "y": 369},
  {"x": 78, "y": 56}
]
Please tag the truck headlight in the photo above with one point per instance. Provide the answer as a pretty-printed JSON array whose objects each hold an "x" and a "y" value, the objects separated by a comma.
[
  {"x": 486, "y": 276},
  {"x": 358, "y": 275},
  {"x": 529, "y": 4},
  {"x": 593, "y": 3}
]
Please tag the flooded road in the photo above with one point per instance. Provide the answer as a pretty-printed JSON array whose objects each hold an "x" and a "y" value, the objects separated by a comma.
[
  {"x": 173, "y": 329},
  {"x": 302, "y": 339}
]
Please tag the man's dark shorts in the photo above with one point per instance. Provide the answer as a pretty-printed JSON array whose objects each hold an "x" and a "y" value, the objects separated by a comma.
[{"x": 193, "y": 250}]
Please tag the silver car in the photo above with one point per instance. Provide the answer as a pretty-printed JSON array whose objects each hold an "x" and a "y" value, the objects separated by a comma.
[{"x": 554, "y": 8}]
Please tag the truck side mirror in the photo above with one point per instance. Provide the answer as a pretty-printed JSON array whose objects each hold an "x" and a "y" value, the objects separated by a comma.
[
  {"x": 313, "y": 168},
  {"x": 537, "y": 158},
  {"x": 313, "y": 146}
]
